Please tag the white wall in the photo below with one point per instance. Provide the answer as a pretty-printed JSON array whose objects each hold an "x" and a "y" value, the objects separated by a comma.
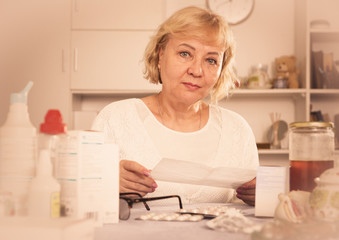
[
  {"x": 267, "y": 34},
  {"x": 34, "y": 37}
]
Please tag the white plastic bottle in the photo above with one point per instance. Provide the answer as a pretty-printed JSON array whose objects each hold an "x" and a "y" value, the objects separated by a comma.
[
  {"x": 18, "y": 144},
  {"x": 18, "y": 139},
  {"x": 51, "y": 130},
  {"x": 44, "y": 190}
]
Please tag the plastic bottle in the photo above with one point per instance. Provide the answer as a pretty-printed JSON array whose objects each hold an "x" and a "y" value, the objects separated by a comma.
[
  {"x": 51, "y": 130},
  {"x": 18, "y": 139},
  {"x": 18, "y": 144},
  {"x": 44, "y": 190}
]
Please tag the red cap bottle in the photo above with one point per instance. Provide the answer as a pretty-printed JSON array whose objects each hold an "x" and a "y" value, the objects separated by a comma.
[{"x": 53, "y": 123}]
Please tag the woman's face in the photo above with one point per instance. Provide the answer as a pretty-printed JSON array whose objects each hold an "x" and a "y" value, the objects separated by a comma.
[{"x": 189, "y": 68}]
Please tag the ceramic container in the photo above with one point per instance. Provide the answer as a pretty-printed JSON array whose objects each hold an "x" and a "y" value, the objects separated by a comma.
[{"x": 324, "y": 199}]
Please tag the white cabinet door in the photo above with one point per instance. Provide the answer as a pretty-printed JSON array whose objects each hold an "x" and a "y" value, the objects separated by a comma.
[
  {"x": 115, "y": 14},
  {"x": 109, "y": 61}
]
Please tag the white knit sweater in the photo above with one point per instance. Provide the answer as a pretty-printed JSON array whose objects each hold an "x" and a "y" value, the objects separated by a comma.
[{"x": 225, "y": 141}]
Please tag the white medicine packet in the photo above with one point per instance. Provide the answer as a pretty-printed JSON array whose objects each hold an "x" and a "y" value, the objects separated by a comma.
[
  {"x": 172, "y": 170},
  {"x": 271, "y": 181}
]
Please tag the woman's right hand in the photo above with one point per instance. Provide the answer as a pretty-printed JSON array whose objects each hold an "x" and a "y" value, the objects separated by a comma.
[{"x": 135, "y": 178}]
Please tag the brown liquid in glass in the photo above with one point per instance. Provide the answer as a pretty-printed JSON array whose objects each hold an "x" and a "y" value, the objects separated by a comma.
[{"x": 303, "y": 173}]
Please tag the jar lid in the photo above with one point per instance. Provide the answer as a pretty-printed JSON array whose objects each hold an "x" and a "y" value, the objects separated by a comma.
[
  {"x": 330, "y": 176},
  {"x": 311, "y": 124}
]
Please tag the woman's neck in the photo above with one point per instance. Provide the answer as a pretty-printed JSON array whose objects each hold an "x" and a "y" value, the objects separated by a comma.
[{"x": 179, "y": 116}]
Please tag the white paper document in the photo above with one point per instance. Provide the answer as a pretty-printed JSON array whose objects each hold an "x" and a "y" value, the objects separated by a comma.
[{"x": 179, "y": 171}]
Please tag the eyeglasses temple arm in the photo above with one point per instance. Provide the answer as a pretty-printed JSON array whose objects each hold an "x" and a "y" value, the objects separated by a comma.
[
  {"x": 158, "y": 198},
  {"x": 146, "y": 205}
]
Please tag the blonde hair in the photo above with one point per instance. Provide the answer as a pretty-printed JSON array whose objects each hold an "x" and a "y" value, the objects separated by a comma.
[{"x": 200, "y": 24}]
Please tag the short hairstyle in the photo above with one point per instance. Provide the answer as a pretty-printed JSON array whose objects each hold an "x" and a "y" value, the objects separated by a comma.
[{"x": 200, "y": 24}]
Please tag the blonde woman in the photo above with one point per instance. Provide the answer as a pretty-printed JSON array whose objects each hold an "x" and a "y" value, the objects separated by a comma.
[{"x": 191, "y": 56}]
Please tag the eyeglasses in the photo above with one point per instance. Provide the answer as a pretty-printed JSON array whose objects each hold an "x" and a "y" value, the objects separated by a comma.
[{"x": 126, "y": 203}]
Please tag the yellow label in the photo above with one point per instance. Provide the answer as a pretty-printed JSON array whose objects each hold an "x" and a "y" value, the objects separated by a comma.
[{"x": 55, "y": 205}]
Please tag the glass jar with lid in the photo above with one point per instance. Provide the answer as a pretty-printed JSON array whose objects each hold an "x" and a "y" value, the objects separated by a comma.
[
  {"x": 311, "y": 147},
  {"x": 258, "y": 77}
]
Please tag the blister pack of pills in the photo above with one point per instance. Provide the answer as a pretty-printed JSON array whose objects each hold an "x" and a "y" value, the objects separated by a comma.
[
  {"x": 171, "y": 217},
  {"x": 233, "y": 222},
  {"x": 210, "y": 212}
]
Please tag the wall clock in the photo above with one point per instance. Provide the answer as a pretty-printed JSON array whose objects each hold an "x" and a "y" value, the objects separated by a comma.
[{"x": 234, "y": 11}]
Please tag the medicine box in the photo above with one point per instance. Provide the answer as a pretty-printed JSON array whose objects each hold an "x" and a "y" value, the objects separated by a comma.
[
  {"x": 270, "y": 182},
  {"x": 87, "y": 169}
]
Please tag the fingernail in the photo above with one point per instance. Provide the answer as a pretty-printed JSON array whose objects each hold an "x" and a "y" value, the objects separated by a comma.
[
  {"x": 146, "y": 174},
  {"x": 153, "y": 189},
  {"x": 154, "y": 185}
]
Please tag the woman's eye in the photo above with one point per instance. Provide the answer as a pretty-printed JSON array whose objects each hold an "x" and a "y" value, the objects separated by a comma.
[
  {"x": 184, "y": 54},
  {"x": 211, "y": 61}
]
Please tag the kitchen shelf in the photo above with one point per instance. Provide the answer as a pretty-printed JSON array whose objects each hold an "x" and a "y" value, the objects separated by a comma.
[
  {"x": 324, "y": 30},
  {"x": 269, "y": 92},
  {"x": 324, "y": 35},
  {"x": 324, "y": 91},
  {"x": 273, "y": 151}
]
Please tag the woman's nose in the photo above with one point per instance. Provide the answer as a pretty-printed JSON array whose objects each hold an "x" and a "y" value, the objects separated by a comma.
[{"x": 195, "y": 68}]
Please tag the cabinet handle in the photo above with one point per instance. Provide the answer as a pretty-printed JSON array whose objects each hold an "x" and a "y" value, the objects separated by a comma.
[
  {"x": 75, "y": 59},
  {"x": 63, "y": 66},
  {"x": 76, "y": 6}
]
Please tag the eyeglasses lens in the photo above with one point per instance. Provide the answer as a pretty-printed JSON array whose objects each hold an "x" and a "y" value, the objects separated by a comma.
[{"x": 124, "y": 210}]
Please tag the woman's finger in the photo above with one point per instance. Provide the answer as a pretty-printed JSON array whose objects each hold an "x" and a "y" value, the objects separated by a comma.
[
  {"x": 248, "y": 199},
  {"x": 244, "y": 191},
  {"x": 137, "y": 178},
  {"x": 127, "y": 173},
  {"x": 135, "y": 167},
  {"x": 249, "y": 185},
  {"x": 134, "y": 179}
]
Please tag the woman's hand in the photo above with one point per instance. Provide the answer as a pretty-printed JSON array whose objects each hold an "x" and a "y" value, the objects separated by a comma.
[
  {"x": 246, "y": 192},
  {"x": 135, "y": 178}
]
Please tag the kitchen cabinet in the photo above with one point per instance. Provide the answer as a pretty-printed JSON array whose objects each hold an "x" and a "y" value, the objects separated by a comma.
[
  {"x": 101, "y": 61},
  {"x": 323, "y": 36},
  {"x": 117, "y": 15},
  {"x": 107, "y": 44},
  {"x": 324, "y": 40}
]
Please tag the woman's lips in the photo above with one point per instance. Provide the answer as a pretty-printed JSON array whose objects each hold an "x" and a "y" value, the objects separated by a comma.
[{"x": 191, "y": 86}]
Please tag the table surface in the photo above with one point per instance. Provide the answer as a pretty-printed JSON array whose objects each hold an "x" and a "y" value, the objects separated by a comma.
[{"x": 144, "y": 229}]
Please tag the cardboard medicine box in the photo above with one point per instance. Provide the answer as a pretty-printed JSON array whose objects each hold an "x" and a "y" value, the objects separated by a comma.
[{"x": 88, "y": 171}]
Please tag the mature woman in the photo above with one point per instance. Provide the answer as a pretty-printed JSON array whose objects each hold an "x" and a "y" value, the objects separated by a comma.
[{"x": 191, "y": 55}]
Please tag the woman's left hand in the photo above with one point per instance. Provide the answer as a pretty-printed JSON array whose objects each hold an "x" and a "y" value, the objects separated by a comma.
[{"x": 246, "y": 192}]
